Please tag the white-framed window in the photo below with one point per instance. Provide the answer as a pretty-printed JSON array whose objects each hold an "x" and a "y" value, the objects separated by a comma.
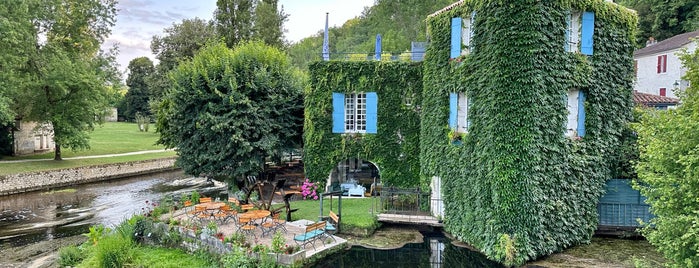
[
  {"x": 459, "y": 106},
  {"x": 573, "y": 30},
  {"x": 355, "y": 113},
  {"x": 467, "y": 34},
  {"x": 575, "y": 106}
]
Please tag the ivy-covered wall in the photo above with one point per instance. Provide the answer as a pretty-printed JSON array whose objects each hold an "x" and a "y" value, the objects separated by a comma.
[
  {"x": 518, "y": 188},
  {"x": 394, "y": 149}
]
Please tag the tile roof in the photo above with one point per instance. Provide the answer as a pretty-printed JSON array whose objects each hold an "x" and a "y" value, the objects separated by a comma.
[
  {"x": 671, "y": 43},
  {"x": 652, "y": 100}
]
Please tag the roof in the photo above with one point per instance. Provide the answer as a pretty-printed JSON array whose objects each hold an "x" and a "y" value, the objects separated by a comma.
[
  {"x": 671, "y": 43},
  {"x": 447, "y": 8},
  {"x": 651, "y": 100}
]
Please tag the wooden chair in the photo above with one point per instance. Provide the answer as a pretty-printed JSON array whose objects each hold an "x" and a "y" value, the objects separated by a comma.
[
  {"x": 205, "y": 200},
  {"x": 200, "y": 212},
  {"x": 245, "y": 226},
  {"x": 225, "y": 213},
  {"x": 234, "y": 201},
  {"x": 247, "y": 207},
  {"x": 187, "y": 207},
  {"x": 279, "y": 223}
]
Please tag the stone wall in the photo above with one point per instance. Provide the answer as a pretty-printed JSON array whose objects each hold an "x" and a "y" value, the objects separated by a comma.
[{"x": 26, "y": 182}]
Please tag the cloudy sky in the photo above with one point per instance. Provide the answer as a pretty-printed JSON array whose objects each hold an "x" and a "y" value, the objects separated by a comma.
[{"x": 139, "y": 20}]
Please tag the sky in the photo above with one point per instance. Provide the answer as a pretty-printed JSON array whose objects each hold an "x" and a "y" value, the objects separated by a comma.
[{"x": 139, "y": 20}]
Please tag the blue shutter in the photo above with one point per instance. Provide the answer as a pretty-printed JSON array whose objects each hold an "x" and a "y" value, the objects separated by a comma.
[
  {"x": 372, "y": 101},
  {"x": 455, "y": 37},
  {"x": 566, "y": 44},
  {"x": 581, "y": 114},
  {"x": 453, "y": 108},
  {"x": 338, "y": 113},
  {"x": 588, "y": 30}
]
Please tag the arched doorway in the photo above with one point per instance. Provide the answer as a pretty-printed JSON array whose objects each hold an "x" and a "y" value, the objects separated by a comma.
[{"x": 355, "y": 177}]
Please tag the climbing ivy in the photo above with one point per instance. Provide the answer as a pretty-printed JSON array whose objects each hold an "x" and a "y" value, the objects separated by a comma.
[
  {"x": 518, "y": 188},
  {"x": 395, "y": 147}
]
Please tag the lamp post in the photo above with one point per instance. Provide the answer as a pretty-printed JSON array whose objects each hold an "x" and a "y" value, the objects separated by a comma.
[{"x": 676, "y": 85}]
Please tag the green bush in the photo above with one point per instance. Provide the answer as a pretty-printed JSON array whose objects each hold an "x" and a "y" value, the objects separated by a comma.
[
  {"x": 114, "y": 252},
  {"x": 238, "y": 259},
  {"x": 70, "y": 256}
]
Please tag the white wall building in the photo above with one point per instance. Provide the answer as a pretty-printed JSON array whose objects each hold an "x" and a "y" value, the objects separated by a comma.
[{"x": 659, "y": 70}]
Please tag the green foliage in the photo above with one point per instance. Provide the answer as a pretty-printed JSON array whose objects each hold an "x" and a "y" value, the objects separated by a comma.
[
  {"x": 70, "y": 256},
  {"x": 231, "y": 109},
  {"x": 138, "y": 95},
  {"x": 234, "y": 20},
  {"x": 517, "y": 176},
  {"x": 663, "y": 19},
  {"x": 269, "y": 23},
  {"x": 394, "y": 149},
  {"x": 114, "y": 252},
  {"x": 356, "y": 212},
  {"x": 96, "y": 233},
  {"x": 668, "y": 172},
  {"x": 238, "y": 258}
]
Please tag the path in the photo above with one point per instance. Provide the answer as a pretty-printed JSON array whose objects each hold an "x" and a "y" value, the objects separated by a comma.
[{"x": 86, "y": 157}]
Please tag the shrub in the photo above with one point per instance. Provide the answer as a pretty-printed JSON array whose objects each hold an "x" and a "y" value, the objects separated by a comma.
[
  {"x": 238, "y": 258},
  {"x": 113, "y": 252},
  {"x": 70, "y": 256}
]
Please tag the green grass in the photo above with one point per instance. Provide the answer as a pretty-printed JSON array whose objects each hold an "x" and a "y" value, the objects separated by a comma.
[
  {"x": 13, "y": 168},
  {"x": 109, "y": 138},
  {"x": 356, "y": 212}
]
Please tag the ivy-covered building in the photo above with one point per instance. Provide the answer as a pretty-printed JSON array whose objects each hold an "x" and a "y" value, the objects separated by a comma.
[{"x": 515, "y": 110}]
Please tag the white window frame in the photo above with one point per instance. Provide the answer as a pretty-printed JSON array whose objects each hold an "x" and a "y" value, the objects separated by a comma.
[
  {"x": 467, "y": 34},
  {"x": 355, "y": 112},
  {"x": 572, "y": 108},
  {"x": 574, "y": 28},
  {"x": 462, "y": 120}
]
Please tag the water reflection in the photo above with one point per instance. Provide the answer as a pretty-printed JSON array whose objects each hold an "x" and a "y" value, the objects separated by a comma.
[
  {"x": 31, "y": 217},
  {"x": 436, "y": 251}
]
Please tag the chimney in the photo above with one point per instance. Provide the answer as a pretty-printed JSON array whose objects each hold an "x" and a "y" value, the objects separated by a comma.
[{"x": 651, "y": 41}]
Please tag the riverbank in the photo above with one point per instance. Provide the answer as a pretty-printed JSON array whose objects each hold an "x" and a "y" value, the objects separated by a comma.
[{"x": 42, "y": 180}]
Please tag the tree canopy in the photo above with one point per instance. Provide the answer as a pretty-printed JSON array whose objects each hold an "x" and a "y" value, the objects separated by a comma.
[
  {"x": 662, "y": 19},
  {"x": 138, "y": 94},
  {"x": 229, "y": 110},
  {"x": 668, "y": 172},
  {"x": 64, "y": 79}
]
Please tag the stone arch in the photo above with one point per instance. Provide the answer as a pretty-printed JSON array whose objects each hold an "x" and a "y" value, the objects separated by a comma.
[{"x": 354, "y": 171}]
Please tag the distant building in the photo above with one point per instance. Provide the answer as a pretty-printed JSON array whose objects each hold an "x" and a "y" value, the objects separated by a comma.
[
  {"x": 654, "y": 101},
  {"x": 658, "y": 68},
  {"x": 32, "y": 137}
]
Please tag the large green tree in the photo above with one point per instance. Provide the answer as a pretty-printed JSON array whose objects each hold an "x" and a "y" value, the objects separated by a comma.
[
  {"x": 229, "y": 110},
  {"x": 138, "y": 94},
  {"x": 61, "y": 79},
  {"x": 668, "y": 173},
  {"x": 234, "y": 20},
  {"x": 269, "y": 23},
  {"x": 662, "y": 19},
  {"x": 179, "y": 43}
]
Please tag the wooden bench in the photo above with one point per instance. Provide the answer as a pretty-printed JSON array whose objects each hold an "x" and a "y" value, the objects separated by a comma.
[
  {"x": 312, "y": 233},
  {"x": 332, "y": 225}
]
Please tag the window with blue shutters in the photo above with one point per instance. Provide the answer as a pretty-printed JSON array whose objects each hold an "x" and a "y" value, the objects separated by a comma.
[
  {"x": 355, "y": 112},
  {"x": 456, "y": 32},
  {"x": 462, "y": 32},
  {"x": 575, "y": 126},
  {"x": 459, "y": 105},
  {"x": 587, "y": 32},
  {"x": 572, "y": 34}
]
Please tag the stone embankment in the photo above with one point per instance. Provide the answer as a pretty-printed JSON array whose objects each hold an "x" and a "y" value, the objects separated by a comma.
[{"x": 27, "y": 182}]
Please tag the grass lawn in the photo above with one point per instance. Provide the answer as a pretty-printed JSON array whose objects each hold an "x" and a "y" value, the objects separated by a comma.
[
  {"x": 109, "y": 138},
  {"x": 356, "y": 212}
]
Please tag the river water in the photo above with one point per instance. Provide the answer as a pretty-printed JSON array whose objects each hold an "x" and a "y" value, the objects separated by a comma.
[{"x": 37, "y": 216}]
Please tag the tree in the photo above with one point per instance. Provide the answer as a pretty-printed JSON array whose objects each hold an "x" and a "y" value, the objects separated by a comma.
[
  {"x": 229, "y": 110},
  {"x": 668, "y": 172},
  {"x": 136, "y": 99},
  {"x": 234, "y": 20},
  {"x": 65, "y": 78},
  {"x": 269, "y": 23},
  {"x": 662, "y": 19}
]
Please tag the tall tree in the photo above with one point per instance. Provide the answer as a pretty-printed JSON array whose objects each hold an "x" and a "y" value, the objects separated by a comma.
[
  {"x": 662, "y": 19},
  {"x": 234, "y": 20},
  {"x": 668, "y": 173},
  {"x": 180, "y": 42},
  {"x": 138, "y": 94},
  {"x": 269, "y": 23},
  {"x": 231, "y": 109},
  {"x": 67, "y": 74}
]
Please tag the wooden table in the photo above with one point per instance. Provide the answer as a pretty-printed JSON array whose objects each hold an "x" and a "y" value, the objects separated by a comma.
[
  {"x": 255, "y": 214},
  {"x": 213, "y": 205}
]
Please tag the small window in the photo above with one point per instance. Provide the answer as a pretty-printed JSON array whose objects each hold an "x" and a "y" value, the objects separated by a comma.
[
  {"x": 459, "y": 106},
  {"x": 662, "y": 64},
  {"x": 663, "y": 91},
  {"x": 355, "y": 112},
  {"x": 572, "y": 41},
  {"x": 575, "y": 105},
  {"x": 580, "y": 27}
]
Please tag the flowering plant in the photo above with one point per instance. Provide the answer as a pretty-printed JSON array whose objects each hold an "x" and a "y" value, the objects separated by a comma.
[{"x": 308, "y": 190}]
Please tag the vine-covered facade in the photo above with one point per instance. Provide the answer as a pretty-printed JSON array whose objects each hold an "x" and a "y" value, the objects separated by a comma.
[
  {"x": 549, "y": 90},
  {"x": 519, "y": 104}
]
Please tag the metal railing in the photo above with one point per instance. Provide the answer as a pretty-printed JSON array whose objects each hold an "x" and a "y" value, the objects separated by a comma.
[{"x": 405, "y": 201}]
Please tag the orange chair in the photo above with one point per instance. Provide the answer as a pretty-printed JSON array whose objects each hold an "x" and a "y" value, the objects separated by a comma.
[
  {"x": 205, "y": 200},
  {"x": 247, "y": 207}
]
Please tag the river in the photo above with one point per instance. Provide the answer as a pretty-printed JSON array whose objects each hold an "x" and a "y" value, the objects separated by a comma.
[{"x": 38, "y": 216}]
